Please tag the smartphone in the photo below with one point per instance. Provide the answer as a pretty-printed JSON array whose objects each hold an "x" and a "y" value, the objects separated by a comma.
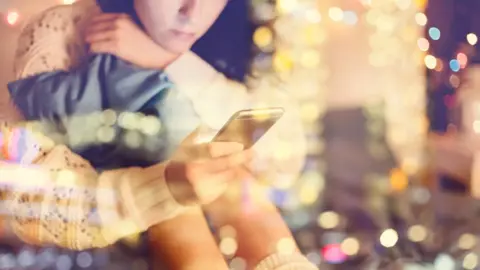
[{"x": 248, "y": 126}]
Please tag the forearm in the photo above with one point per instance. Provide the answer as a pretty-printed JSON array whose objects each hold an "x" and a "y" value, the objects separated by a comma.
[
  {"x": 103, "y": 82},
  {"x": 186, "y": 243},
  {"x": 48, "y": 187},
  {"x": 258, "y": 224}
]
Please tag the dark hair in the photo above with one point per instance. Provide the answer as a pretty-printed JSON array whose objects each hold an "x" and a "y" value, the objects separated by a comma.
[
  {"x": 226, "y": 45},
  {"x": 117, "y": 6}
]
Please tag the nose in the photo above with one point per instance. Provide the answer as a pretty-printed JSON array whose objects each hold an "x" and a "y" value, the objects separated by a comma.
[{"x": 189, "y": 8}]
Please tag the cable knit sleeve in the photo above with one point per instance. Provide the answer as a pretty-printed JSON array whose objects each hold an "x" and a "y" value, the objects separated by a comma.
[
  {"x": 216, "y": 98},
  {"x": 55, "y": 197},
  {"x": 285, "y": 262}
]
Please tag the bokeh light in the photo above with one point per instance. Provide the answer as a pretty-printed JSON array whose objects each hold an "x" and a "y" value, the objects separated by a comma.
[
  {"x": 472, "y": 39},
  {"x": 454, "y": 65},
  {"x": 12, "y": 17},
  {"x": 434, "y": 33},
  {"x": 389, "y": 238},
  {"x": 430, "y": 61},
  {"x": 336, "y": 14},
  {"x": 421, "y": 19}
]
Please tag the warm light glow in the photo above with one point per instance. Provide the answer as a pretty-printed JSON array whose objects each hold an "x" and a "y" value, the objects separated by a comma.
[
  {"x": 430, "y": 61},
  {"x": 12, "y": 17},
  {"x": 350, "y": 246},
  {"x": 467, "y": 241},
  {"x": 286, "y": 6},
  {"x": 472, "y": 39},
  {"x": 398, "y": 180},
  {"x": 389, "y": 238},
  {"x": 470, "y": 261},
  {"x": 423, "y": 44},
  {"x": 263, "y": 36},
  {"x": 336, "y": 14},
  {"x": 462, "y": 60},
  {"x": 417, "y": 233},
  {"x": 328, "y": 220},
  {"x": 421, "y": 19},
  {"x": 68, "y": 2}
]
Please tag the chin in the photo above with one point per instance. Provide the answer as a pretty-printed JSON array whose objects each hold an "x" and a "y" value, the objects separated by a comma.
[{"x": 178, "y": 47}]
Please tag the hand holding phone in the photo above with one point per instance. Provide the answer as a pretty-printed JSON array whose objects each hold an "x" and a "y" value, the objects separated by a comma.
[{"x": 248, "y": 126}]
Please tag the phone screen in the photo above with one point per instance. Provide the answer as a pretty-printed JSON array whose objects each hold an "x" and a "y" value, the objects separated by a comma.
[{"x": 247, "y": 127}]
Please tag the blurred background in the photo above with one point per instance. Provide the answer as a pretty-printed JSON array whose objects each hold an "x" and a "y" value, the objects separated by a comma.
[{"x": 372, "y": 78}]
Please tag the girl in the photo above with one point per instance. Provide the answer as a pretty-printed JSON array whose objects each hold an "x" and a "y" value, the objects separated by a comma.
[{"x": 45, "y": 90}]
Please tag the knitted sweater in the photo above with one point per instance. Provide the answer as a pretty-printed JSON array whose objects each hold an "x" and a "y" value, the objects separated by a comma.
[{"x": 76, "y": 217}]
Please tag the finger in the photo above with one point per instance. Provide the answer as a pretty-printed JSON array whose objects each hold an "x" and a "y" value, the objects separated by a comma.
[
  {"x": 104, "y": 17},
  {"x": 98, "y": 37},
  {"x": 100, "y": 27},
  {"x": 103, "y": 47},
  {"x": 230, "y": 161},
  {"x": 198, "y": 151},
  {"x": 218, "y": 149}
]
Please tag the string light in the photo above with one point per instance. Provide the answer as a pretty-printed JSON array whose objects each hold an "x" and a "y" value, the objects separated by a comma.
[
  {"x": 472, "y": 39},
  {"x": 421, "y": 19},
  {"x": 397, "y": 37}
]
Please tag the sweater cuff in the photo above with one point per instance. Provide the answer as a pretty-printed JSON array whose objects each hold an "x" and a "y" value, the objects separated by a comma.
[
  {"x": 191, "y": 74},
  {"x": 279, "y": 261},
  {"x": 143, "y": 198}
]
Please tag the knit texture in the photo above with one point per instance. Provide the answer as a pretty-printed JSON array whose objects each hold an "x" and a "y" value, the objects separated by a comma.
[
  {"x": 279, "y": 261},
  {"x": 56, "y": 197}
]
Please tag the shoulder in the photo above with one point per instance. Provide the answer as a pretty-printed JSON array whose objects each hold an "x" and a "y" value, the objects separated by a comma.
[{"x": 54, "y": 36}]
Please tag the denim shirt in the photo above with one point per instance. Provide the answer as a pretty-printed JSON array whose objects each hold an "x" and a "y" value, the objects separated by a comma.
[{"x": 107, "y": 82}]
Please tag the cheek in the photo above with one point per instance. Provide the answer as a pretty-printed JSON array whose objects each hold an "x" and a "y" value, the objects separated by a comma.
[{"x": 209, "y": 17}]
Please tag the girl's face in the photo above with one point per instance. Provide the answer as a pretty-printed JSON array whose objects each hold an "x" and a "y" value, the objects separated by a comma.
[{"x": 177, "y": 24}]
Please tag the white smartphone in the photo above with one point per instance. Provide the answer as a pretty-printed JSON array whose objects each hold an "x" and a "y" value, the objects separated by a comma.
[{"x": 248, "y": 126}]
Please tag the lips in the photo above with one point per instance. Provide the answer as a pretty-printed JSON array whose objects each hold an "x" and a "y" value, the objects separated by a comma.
[{"x": 183, "y": 34}]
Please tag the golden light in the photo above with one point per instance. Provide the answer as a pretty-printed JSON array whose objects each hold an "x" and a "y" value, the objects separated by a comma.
[
  {"x": 263, "y": 37},
  {"x": 421, "y": 4},
  {"x": 430, "y": 61},
  {"x": 68, "y": 2},
  {"x": 282, "y": 61},
  {"x": 312, "y": 35},
  {"x": 389, "y": 238},
  {"x": 403, "y": 4},
  {"x": 350, "y": 246},
  {"x": 310, "y": 58},
  {"x": 336, "y": 14},
  {"x": 12, "y": 17},
  {"x": 417, "y": 233},
  {"x": 470, "y": 261},
  {"x": 421, "y": 19},
  {"x": 328, "y": 220},
  {"x": 398, "y": 180},
  {"x": 313, "y": 16},
  {"x": 286, "y": 246},
  {"x": 467, "y": 241},
  {"x": 228, "y": 246},
  {"x": 286, "y": 6}
]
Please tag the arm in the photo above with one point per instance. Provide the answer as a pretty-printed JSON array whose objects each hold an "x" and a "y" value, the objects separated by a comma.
[
  {"x": 76, "y": 208},
  {"x": 48, "y": 87},
  {"x": 186, "y": 243},
  {"x": 263, "y": 238},
  {"x": 284, "y": 146}
]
